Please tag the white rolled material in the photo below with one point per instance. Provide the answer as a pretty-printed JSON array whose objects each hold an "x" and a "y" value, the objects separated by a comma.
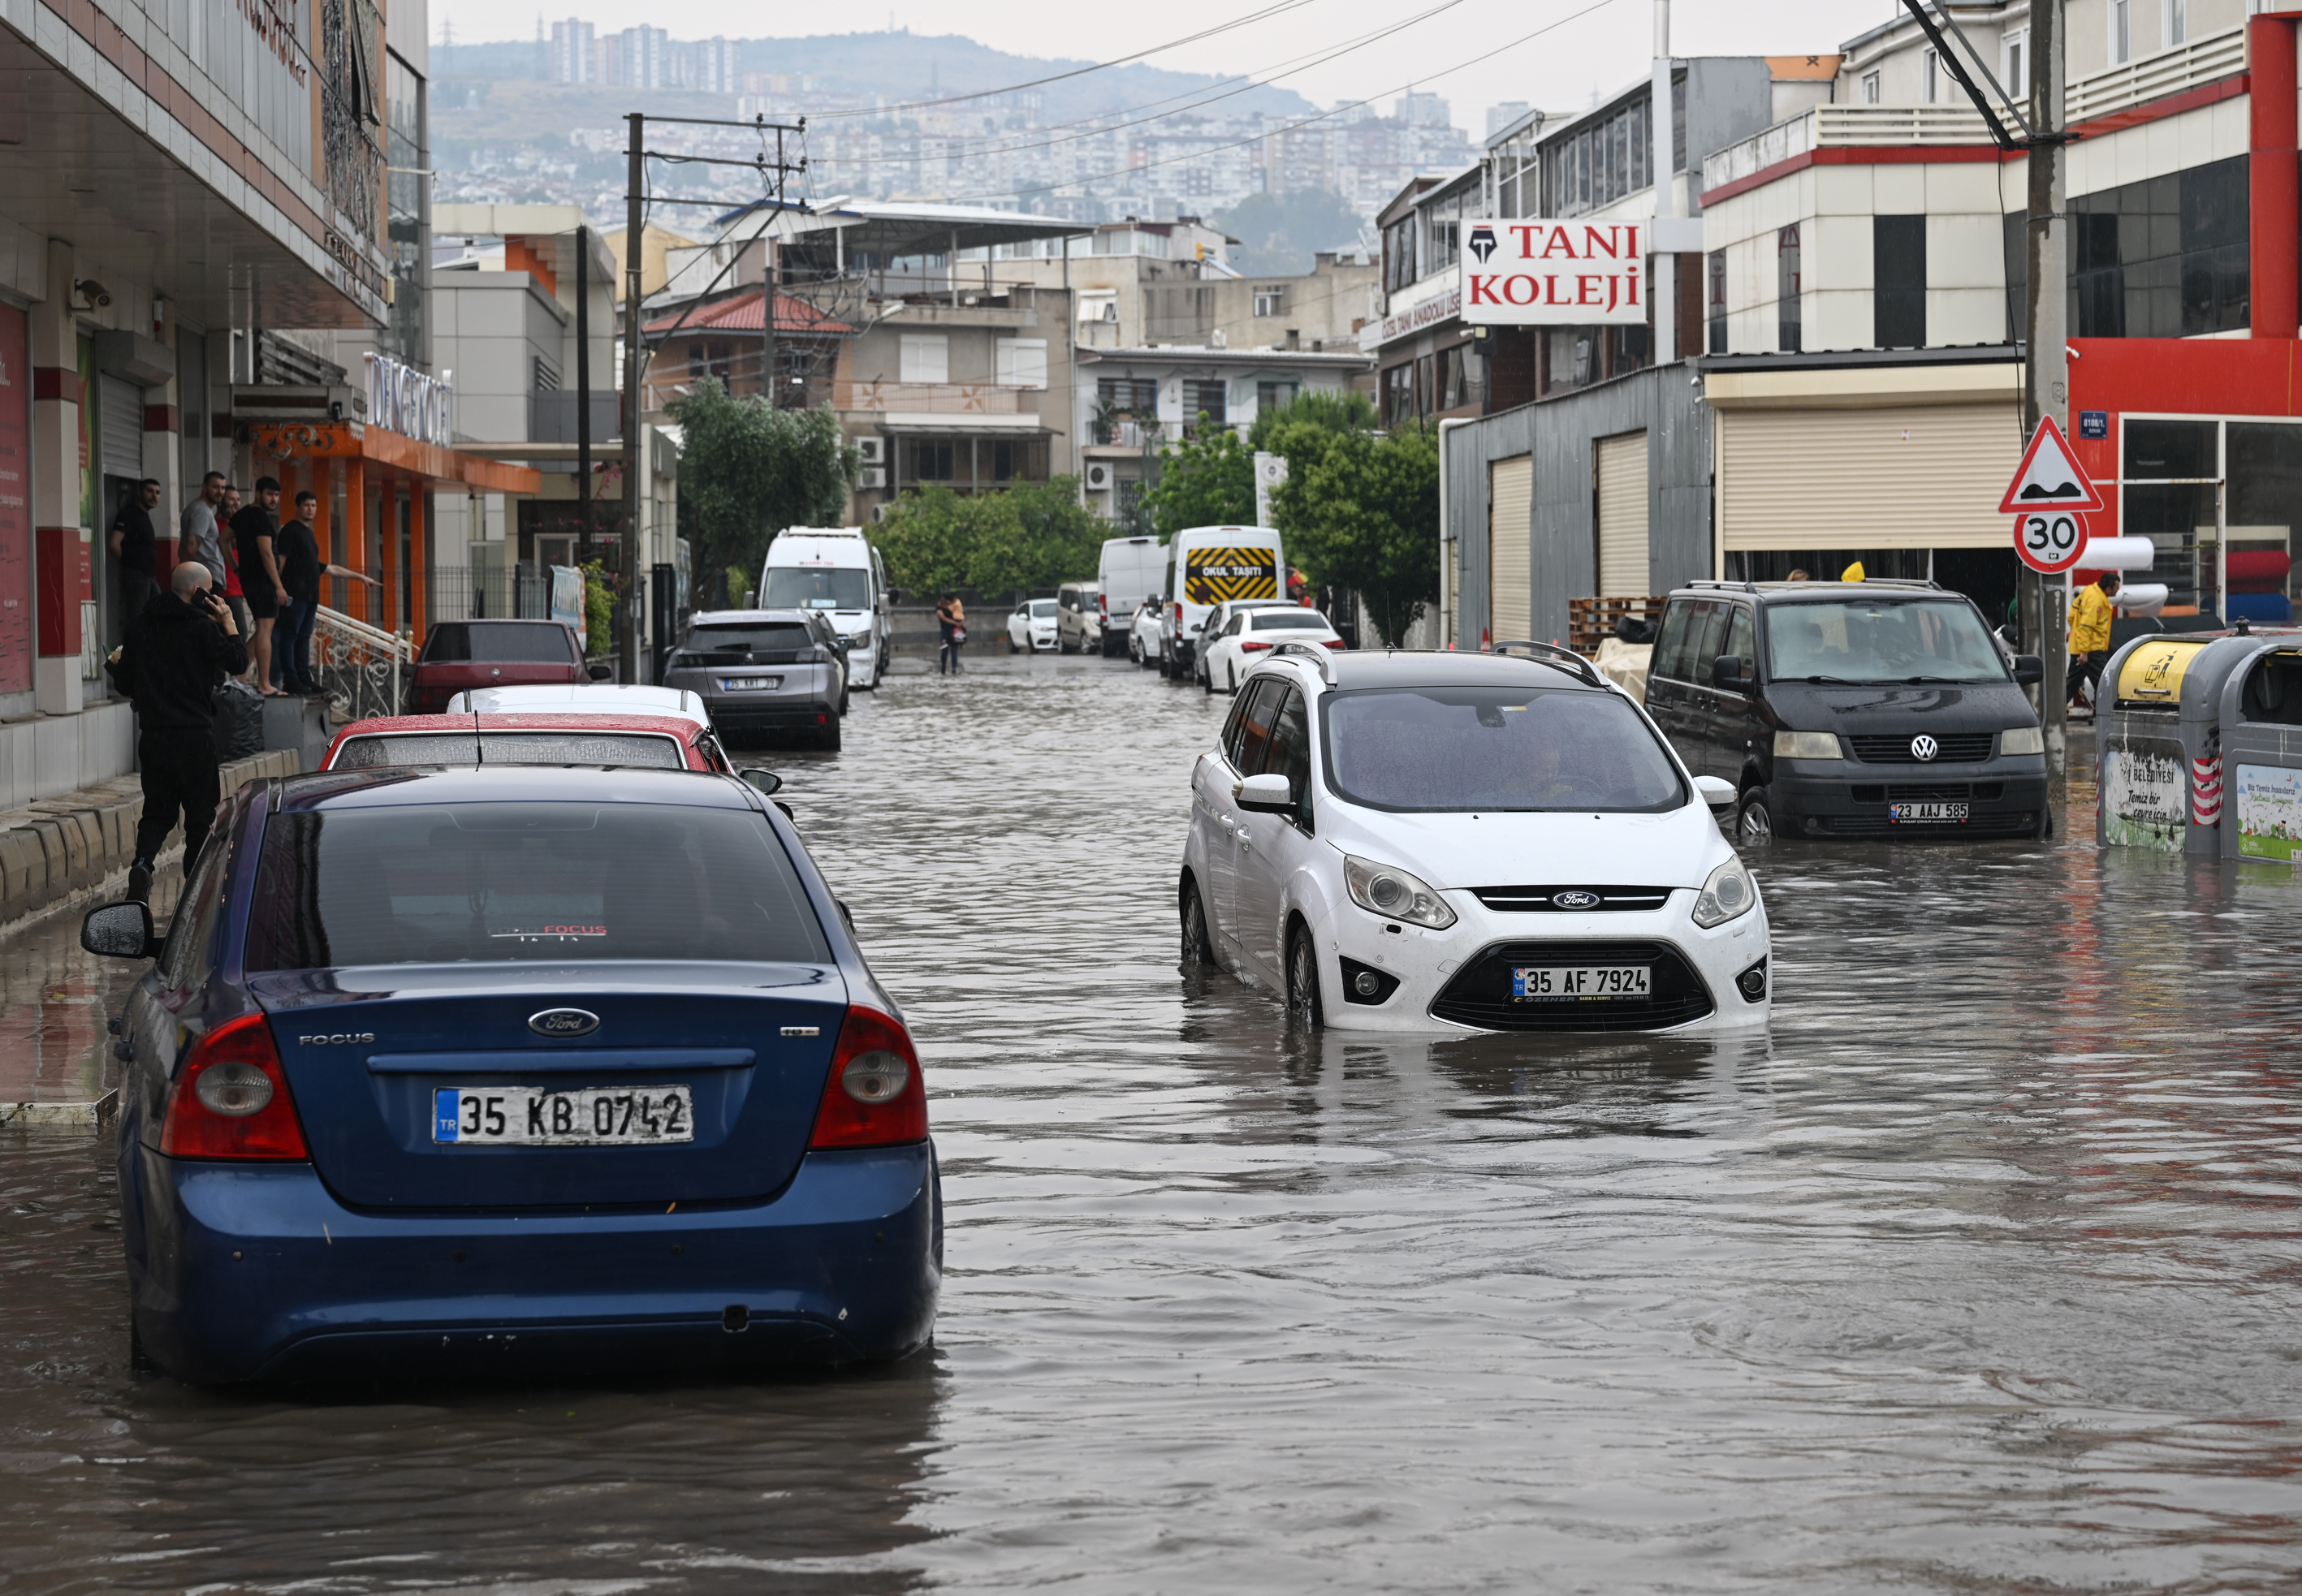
[
  {"x": 2140, "y": 598},
  {"x": 2117, "y": 554}
]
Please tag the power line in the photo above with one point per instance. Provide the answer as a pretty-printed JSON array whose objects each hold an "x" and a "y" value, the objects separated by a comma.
[
  {"x": 1306, "y": 122},
  {"x": 1172, "y": 44}
]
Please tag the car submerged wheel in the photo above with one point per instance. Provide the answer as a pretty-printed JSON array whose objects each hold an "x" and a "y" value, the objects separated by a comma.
[
  {"x": 1208, "y": 681},
  {"x": 1303, "y": 1006},
  {"x": 1199, "y": 948},
  {"x": 1754, "y": 821}
]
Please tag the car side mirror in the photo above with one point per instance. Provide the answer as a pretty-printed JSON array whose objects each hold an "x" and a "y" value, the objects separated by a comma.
[
  {"x": 765, "y": 782},
  {"x": 599, "y": 672},
  {"x": 1266, "y": 795},
  {"x": 1727, "y": 675},
  {"x": 120, "y": 931},
  {"x": 2029, "y": 670},
  {"x": 1716, "y": 792}
]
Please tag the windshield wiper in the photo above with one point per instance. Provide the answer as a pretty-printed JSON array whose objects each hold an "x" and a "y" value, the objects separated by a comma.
[
  {"x": 1841, "y": 680},
  {"x": 1952, "y": 681}
]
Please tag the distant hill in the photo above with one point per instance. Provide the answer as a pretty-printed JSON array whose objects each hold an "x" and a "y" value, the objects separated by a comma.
[{"x": 850, "y": 69}]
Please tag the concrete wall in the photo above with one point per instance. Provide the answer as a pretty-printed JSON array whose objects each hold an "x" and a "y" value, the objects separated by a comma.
[{"x": 1561, "y": 433}]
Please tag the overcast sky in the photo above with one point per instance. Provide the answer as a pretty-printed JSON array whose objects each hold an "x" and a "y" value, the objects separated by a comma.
[{"x": 1559, "y": 70}]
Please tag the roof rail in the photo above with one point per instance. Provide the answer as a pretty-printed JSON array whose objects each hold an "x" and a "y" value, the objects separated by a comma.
[
  {"x": 1551, "y": 654},
  {"x": 1319, "y": 653},
  {"x": 1716, "y": 586},
  {"x": 1739, "y": 587}
]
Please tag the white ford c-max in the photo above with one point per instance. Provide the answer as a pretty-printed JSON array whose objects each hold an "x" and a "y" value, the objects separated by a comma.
[{"x": 1456, "y": 842}]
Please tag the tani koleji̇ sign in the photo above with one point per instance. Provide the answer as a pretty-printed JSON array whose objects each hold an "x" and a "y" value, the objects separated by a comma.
[{"x": 1571, "y": 273}]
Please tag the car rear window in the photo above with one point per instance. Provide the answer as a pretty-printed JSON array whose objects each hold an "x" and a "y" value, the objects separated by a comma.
[
  {"x": 511, "y": 748},
  {"x": 467, "y": 642},
  {"x": 506, "y": 883},
  {"x": 1287, "y": 620},
  {"x": 1495, "y": 749},
  {"x": 752, "y": 637}
]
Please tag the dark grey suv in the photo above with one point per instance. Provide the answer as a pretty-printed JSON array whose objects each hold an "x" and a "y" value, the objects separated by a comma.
[
  {"x": 1851, "y": 708},
  {"x": 765, "y": 674}
]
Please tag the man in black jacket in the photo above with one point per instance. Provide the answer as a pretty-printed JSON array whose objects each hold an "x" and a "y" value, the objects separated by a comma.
[{"x": 176, "y": 654}]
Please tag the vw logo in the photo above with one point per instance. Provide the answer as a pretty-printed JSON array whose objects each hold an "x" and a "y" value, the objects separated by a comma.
[
  {"x": 1575, "y": 900},
  {"x": 1924, "y": 748},
  {"x": 564, "y": 1022}
]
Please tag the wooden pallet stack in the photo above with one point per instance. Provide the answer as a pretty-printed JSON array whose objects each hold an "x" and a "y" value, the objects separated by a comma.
[{"x": 1590, "y": 620}]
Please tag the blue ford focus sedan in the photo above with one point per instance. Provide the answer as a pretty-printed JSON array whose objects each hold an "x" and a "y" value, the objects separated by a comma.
[{"x": 517, "y": 1067}]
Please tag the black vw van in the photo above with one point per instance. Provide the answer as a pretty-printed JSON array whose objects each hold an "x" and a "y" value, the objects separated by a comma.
[{"x": 1851, "y": 708}]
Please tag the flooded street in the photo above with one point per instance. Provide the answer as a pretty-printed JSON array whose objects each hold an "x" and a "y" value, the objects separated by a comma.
[{"x": 1984, "y": 1273}]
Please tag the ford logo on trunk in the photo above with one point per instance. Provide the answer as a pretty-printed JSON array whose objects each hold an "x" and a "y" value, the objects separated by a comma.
[
  {"x": 564, "y": 1022},
  {"x": 1575, "y": 900}
]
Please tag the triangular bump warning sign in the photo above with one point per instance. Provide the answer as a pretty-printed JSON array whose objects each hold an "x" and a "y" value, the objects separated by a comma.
[{"x": 2049, "y": 476}]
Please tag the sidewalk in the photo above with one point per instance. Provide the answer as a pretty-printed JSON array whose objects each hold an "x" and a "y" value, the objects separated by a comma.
[{"x": 59, "y": 855}]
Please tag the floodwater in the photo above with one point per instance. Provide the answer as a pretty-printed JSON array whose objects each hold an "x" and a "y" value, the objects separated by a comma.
[{"x": 1982, "y": 1274}]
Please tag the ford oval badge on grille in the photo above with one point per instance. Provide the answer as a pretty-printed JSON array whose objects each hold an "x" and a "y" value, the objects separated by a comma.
[
  {"x": 1575, "y": 900},
  {"x": 564, "y": 1022}
]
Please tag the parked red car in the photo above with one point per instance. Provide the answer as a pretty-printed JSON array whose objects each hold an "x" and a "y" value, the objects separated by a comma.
[
  {"x": 662, "y": 742},
  {"x": 461, "y": 655}
]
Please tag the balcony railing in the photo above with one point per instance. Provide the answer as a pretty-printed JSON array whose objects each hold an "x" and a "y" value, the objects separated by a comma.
[
  {"x": 937, "y": 399},
  {"x": 360, "y": 666},
  {"x": 2204, "y": 61}
]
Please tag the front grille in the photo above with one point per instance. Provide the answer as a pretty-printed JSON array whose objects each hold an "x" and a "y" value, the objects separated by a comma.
[
  {"x": 1952, "y": 790},
  {"x": 1544, "y": 899},
  {"x": 1480, "y": 995},
  {"x": 1955, "y": 748}
]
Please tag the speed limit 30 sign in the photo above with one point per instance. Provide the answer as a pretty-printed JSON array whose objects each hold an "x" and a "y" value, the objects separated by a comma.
[{"x": 2048, "y": 498}]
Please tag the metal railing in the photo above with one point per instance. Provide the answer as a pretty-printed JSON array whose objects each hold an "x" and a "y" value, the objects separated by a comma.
[
  {"x": 935, "y": 398},
  {"x": 488, "y": 593},
  {"x": 2187, "y": 66},
  {"x": 360, "y": 668}
]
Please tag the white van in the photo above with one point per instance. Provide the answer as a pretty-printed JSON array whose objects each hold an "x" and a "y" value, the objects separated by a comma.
[
  {"x": 1130, "y": 572},
  {"x": 1206, "y": 564},
  {"x": 836, "y": 570}
]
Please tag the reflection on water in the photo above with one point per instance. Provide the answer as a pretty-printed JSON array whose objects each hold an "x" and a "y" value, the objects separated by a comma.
[{"x": 1980, "y": 1273}]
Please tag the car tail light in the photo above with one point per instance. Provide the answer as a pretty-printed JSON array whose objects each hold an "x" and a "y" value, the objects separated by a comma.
[
  {"x": 1335, "y": 643},
  {"x": 230, "y": 1098},
  {"x": 1179, "y": 615},
  {"x": 1253, "y": 648},
  {"x": 1103, "y": 606},
  {"x": 874, "y": 1096}
]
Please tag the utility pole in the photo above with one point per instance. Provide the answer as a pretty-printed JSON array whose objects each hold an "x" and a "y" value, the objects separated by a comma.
[
  {"x": 634, "y": 221},
  {"x": 2046, "y": 364},
  {"x": 1665, "y": 292},
  {"x": 583, "y": 392}
]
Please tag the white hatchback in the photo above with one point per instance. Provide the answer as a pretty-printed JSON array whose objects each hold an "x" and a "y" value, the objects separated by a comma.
[
  {"x": 1454, "y": 842},
  {"x": 1032, "y": 626},
  {"x": 1226, "y": 656}
]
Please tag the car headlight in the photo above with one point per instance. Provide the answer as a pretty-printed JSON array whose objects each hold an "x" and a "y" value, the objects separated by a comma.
[
  {"x": 2022, "y": 739},
  {"x": 1393, "y": 894},
  {"x": 1729, "y": 893},
  {"x": 1807, "y": 745}
]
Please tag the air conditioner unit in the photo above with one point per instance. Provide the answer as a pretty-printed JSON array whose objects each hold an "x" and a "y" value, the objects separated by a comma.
[
  {"x": 872, "y": 477},
  {"x": 873, "y": 449},
  {"x": 1098, "y": 478},
  {"x": 878, "y": 514}
]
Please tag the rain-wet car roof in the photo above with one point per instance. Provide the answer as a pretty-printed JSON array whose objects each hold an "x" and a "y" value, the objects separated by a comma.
[{"x": 387, "y": 787}]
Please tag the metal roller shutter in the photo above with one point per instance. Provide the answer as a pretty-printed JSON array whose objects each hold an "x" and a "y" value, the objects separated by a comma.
[
  {"x": 1511, "y": 510},
  {"x": 120, "y": 418},
  {"x": 1906, "y": 477},
  {"x": 1623, "y": 516}
]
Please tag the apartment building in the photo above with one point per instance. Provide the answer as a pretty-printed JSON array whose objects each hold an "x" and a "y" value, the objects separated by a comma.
[{"x": 1865, "y": 292}]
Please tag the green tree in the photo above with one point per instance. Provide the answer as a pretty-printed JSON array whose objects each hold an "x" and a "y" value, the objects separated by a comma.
[
  {"x": 1361, "y": 511},
  {"x": 1204, "y": 481},
  {"x": 600, "y": 591},
  {"x": 1329, "y": 409},
  {"x": 748, "y": 470},
  {"x": 1029, "y": 537}
]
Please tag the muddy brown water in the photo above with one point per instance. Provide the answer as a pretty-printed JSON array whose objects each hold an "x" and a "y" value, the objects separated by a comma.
[{"x": 1980, "y": 1275}]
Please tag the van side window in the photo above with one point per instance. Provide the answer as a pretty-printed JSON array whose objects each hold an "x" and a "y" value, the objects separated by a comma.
[
  {"x": 1670, "y": 642},
  {"x": 1706, "y": 632},
  {"x": 1738, "y": 640}
]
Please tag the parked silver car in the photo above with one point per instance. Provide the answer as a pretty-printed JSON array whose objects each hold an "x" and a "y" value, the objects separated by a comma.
[{"x": 765, "y": 674}]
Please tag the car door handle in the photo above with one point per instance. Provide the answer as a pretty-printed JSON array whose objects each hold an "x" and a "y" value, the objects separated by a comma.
[{"x": 1245, "y": 840}]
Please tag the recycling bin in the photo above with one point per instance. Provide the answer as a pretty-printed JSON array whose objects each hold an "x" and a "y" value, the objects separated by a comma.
[{"x": 2183, "y": 715}]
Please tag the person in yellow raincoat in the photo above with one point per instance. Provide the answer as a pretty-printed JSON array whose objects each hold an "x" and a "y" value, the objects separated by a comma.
[{"x": 2091, "y": 611}]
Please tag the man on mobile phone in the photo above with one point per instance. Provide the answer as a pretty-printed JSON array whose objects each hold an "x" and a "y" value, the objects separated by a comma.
[{"x": 176, "y": 654}]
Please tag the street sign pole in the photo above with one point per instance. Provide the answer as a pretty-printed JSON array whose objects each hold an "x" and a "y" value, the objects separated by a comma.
[
  {"x": 2045, "y": 391},
  {"x": 634, "y": 366}
]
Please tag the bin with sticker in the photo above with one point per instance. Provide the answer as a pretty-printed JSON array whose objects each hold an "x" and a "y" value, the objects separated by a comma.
[
  {"x": 2164, "y": 768},
  {"x": 2262, "y": 752}
]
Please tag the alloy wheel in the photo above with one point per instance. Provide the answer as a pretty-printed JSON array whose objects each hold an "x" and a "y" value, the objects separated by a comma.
[{"x": 1303, "y": 1007}]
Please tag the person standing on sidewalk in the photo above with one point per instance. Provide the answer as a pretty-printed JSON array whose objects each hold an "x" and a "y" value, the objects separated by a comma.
[
  {"x": 2091, "y": 612},
  {"x": 176, "y": 654},
  {"x": 253, "y": 530},
  {"x": 300, "y": 570},
  {"x": 135, "y": 551},
  {"x": 227, "y": 510},
  {"x": 198, "y": 536},
  {"x": 951, "y": 619}
]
